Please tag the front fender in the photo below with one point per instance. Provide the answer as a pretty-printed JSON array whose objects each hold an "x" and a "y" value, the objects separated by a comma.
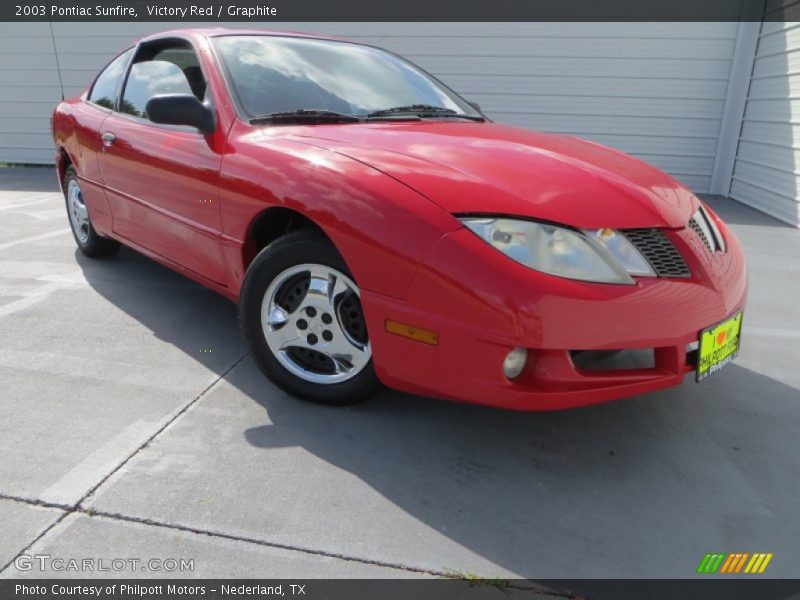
[{"x": 382, "y": 228}]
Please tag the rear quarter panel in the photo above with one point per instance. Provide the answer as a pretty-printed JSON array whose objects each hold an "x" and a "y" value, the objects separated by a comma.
[{"x": 77, "y": 126}]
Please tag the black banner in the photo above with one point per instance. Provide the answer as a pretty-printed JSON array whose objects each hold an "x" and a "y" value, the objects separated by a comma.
[
  {"x": 407, "y": 10},
  {"x": 411, "y": 589}
]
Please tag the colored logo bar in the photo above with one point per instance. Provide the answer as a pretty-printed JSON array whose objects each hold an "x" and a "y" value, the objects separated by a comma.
[{"x": 733, "y": 563}]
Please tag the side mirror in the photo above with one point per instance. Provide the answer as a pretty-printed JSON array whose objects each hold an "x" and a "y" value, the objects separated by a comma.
[
  {"x": 475, "y": 105},
  {"x": 180, "y": 109}
]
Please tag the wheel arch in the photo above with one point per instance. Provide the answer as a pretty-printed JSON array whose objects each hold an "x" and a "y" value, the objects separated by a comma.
[
  {"x": 63, "y": 162},
  {"x": 272, "y": 223}
]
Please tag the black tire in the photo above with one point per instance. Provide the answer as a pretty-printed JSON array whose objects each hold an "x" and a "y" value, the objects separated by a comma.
[
  {"x": 295, "y": 248},
  {"x": 95, "y": 245}
]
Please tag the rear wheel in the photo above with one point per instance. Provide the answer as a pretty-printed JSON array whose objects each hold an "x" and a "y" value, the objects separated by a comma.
[
  {"x": 89, "y": 241},
  {"x": 300, "y": 311}
]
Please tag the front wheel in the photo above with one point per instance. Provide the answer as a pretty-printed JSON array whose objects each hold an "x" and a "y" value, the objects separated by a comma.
[{"x": 300, "y": 311}]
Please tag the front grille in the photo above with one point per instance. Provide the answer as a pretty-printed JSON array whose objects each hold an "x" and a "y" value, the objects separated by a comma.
[
  {"x": 699, "y": 231},
  {"x": 659, "y": 251}
]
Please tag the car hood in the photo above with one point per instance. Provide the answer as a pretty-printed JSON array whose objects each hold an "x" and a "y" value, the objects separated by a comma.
[{"x": 475, "y": 168}]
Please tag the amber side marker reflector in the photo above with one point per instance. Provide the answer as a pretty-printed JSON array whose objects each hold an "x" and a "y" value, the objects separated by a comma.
[{"x": 426, "y": 336}]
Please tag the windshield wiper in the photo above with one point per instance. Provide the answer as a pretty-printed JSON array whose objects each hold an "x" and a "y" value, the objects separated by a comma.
[
  {"x": 305, "y": 116},
  {"x": 422, "y": 110}
]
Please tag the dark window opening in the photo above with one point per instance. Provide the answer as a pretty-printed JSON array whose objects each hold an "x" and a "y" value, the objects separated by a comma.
[
  {"x": 162, "y": 69},
  {"x": 106, "y": 86}
]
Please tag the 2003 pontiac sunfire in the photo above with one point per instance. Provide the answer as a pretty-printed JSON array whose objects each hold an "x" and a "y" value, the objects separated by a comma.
[{"x": 376, "y": 228}]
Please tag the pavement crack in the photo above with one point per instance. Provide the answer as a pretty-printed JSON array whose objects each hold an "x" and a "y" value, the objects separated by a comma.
[
  {"x": 150, "y": 522},
  {"x": 158, "y": 432},
  {"x": 41, "y": 534},
  {"x": 93, "y": 512},
  {"x": 35, "y": 502},
  {"x": 76, "y": 507},
  {"x": 259, "y": 542}
]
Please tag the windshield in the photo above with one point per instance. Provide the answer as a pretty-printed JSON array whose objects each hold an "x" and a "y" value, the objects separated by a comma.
[{"x": 272, "y": 74}]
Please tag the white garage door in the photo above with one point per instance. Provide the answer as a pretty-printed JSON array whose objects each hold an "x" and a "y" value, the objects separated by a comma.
[
  {"x": 767, "y": 170},
  {"x": 655, "y": 90}
]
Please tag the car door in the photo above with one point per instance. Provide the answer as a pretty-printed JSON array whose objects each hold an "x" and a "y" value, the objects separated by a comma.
[{"x": 162, "y": 181}]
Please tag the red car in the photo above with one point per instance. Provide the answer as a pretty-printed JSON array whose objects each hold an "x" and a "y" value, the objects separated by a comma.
[{"x": 376, "y": 228}]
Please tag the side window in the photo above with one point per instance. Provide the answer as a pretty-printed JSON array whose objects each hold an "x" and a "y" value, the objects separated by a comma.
[
  {"x": 148, "y": 79},
  {"x": 186, "y": 59},
  {"x": 168, "y": 70},
  {"x": 104, "y": 90}
]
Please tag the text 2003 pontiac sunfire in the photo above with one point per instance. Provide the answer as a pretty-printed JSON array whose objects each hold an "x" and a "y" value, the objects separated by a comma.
[{"x": 375, "y": 228}]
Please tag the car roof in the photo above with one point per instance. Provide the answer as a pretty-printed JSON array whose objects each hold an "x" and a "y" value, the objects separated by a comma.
[{"x": 209, "y": 32}]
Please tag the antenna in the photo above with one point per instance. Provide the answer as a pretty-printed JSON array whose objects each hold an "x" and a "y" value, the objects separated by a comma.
[{"x": 55, "y": 53}]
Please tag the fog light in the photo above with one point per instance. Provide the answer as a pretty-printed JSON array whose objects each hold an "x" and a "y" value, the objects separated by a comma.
[{"x": 515, "y": 362}]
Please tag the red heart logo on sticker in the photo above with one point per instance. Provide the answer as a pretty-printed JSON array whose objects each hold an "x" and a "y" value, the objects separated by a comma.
[{"x": 721, "y": 337}]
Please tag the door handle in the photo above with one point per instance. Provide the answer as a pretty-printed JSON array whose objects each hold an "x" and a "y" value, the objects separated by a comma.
[{"x": 108, "y": 138}]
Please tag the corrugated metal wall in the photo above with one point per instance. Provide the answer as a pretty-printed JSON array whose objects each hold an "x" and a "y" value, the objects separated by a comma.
[
  {"x": 767, "y": 169},
  {"x": 655, "y": 90}
]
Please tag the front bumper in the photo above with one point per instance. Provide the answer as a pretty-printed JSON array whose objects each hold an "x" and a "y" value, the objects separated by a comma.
[{"x": 481, "y": 305}]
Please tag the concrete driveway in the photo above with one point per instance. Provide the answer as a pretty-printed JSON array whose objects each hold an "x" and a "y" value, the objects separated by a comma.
[{"x": 134, "y": 425}]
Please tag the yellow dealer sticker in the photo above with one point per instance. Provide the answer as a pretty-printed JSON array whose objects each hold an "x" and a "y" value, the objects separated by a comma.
[{"x": 719, "y": 345}]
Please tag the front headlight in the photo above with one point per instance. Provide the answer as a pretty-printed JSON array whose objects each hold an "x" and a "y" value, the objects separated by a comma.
[{"x": 603, "y": 255}]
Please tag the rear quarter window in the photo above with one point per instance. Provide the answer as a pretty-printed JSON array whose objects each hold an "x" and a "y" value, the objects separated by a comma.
[{"x": 106, "y": 86}]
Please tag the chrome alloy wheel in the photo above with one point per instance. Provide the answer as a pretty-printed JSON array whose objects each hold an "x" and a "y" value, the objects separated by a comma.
[
  {"x": 313, "y": 323},
  {"x": 78, "y": 213}
]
